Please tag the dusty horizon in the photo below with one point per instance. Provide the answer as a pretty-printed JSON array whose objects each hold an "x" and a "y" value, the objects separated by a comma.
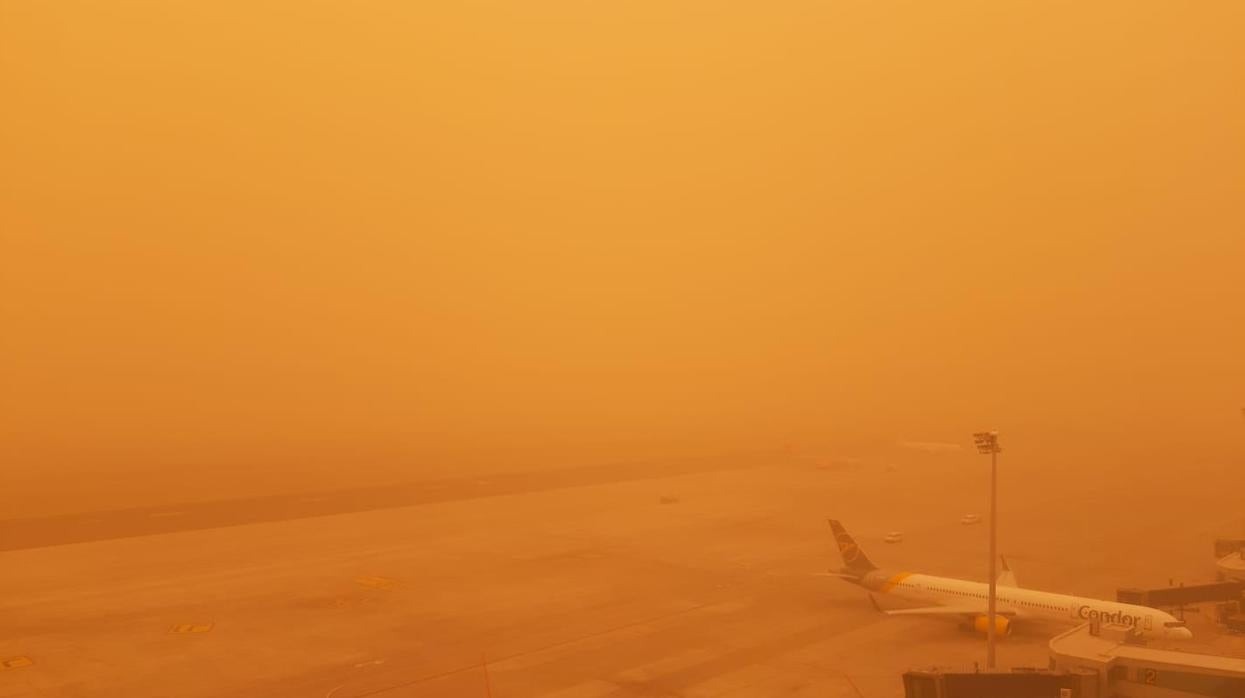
[
  {"x": 281, "y": 248},
  {"x": 570, "y": 234}
]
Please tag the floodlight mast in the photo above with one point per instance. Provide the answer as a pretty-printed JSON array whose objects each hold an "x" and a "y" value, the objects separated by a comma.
[{"x": 987, "y": 442}]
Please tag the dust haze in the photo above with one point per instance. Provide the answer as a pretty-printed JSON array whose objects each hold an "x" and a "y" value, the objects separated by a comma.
[{"x": 649, "y": 288}]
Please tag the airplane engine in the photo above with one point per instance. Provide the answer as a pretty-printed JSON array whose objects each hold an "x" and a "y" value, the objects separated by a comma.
[{"x": 1002, "y": 626}]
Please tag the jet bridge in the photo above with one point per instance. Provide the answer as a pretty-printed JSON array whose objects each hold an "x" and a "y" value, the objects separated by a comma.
[{"x": 1182, "y": 595}]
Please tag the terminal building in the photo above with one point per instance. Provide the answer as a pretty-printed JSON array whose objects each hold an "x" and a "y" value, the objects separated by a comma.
[
  {"x": 1017, "y": 683},
  {"x": 1088, "y": 663},
  {"x": 1125, "y": 669}
]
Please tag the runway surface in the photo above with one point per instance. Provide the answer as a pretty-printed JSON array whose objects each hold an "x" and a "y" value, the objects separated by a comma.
[
  {"x": 695, "y": 583},
  {"x": 109, "y": 524}
]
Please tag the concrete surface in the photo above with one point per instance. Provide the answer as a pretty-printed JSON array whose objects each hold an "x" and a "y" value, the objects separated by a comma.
[{"x": 579, "y": 591}]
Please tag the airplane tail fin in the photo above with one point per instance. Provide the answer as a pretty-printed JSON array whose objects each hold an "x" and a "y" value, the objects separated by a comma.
[{"x": 853, "y": 558}]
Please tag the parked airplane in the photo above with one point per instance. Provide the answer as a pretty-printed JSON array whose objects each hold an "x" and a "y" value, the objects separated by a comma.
[{"x": 959, "y": 598}]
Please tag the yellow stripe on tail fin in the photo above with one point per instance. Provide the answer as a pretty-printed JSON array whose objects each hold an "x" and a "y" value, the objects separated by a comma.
[{"x": 853, "y": 557}]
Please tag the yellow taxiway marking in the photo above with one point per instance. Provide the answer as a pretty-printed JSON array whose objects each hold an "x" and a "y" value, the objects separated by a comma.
[
  {"x": 377, "y": 582},
  {"x": 185, "y": 628},
  {"x": 15, "y": 663}
]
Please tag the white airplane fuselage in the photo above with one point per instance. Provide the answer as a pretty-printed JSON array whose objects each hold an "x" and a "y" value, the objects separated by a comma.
[
  {"x": 969, "y": 601},
  {"x": 1025, "y": 604}
]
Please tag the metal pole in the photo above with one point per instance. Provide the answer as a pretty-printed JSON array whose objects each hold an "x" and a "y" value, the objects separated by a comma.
[{"x": 994, "y": 525}]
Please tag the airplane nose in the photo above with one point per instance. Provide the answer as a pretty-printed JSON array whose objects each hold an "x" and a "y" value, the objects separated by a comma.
[{"x": 1183, "y": 634}]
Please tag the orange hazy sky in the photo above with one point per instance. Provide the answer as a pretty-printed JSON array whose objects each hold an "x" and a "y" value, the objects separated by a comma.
[{"x": 331, "y": 234}]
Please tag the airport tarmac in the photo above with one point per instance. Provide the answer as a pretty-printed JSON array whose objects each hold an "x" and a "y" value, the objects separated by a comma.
[{"x": 699, "y": 583}]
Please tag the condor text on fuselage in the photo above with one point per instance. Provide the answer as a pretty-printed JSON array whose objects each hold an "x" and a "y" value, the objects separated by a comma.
[{"x": 1109, "y": 618}]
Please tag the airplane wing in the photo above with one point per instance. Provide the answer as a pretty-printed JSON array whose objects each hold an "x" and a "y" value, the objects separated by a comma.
[
  {"x": 966, "y": 610},
  {"x": 945, "y": 611}
]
